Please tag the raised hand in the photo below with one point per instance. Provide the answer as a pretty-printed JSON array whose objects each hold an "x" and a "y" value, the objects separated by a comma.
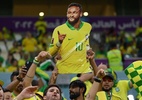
[
  {"x": 54, "y": 76},
  {"x": 23, "y": 72},
  {"x": 90, "y": 54},
  {"x": 101, "y": 73},
  {"x": 61, "y": 37},
  {"x": 57, "y": 57},
  {"x": 27, "y": 93},
  {"x": 43, "y": 55}
]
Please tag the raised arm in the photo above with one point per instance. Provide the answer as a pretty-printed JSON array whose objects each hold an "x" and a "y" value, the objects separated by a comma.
[
  {"x": 53, "y": 77},
  {"x": 31, "y": 72},
  {"x": 96, "y": 85},
  {"x": 19, "y": 78},
  {"x": 56, "y": 42},
  {"x": 90, "y": 56},
  {"x": 26, "y": 93}
]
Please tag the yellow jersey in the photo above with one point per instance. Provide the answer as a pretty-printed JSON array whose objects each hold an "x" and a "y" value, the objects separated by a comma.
[
  {"x": 121, "y": 89},
  {"x": 73, "y": 49}
]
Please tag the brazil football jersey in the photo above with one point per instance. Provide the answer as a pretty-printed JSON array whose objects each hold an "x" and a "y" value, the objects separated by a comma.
[
  {"x": 73, "y": 49},
  {"x": 101, "y": 95},
  {"x": 121, "y": 89}
]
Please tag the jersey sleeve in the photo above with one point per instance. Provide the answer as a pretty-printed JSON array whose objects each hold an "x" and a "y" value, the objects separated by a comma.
[{"x": 53, "y": 49}]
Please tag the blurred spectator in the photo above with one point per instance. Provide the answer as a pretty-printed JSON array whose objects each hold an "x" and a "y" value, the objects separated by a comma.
[
  {"x": 138, "y": 30},
  {"x": 14, "y": 48},
  {"x": 138, "y": 33},
  {"x": 111, "y": 35},
  {"x": 41, "y": 26},
  {"x": 14, "y": 66},
  {"x": 7, "y": 34},
  {"x": 29, "y": 44},
  {"x": 8, "y": 60},
  {"x": 1, "y": 36},
  {"x": 44, "y": 41},
  {"x": 101, "y": 52},
  {"x": 114, "y": 57},
  {"x": 7, "y": 94},
  {"x": 2, "y": 69},
  {"x": 25, "y": 57},
  {"x": 127, "y": 44},
  {"x": 139, "y": 40}
]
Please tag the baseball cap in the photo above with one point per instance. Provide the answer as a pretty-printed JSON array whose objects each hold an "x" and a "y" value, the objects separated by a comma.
[
  {"x": 1, "y": 83},
  {"x": 109, "y": 75}
]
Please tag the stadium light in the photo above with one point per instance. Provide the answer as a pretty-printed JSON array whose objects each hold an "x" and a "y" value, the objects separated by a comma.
[
  {"x": 85, "y": 14},
  {"x": 41, "y": 14}
]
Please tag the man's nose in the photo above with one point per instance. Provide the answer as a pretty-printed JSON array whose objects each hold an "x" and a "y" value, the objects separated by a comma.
[{"x": 55, "y": 92}]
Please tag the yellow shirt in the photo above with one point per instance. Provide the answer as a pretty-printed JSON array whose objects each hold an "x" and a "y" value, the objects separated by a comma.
[
  {"x": 29, "y": 44},
  {"x": 101, "y": 95},
  {"x": 11, "y": 69},
  {"x": 41, "y": 25},
  {"x": 2, "y": 69},
  {"x": 32, "y": 98},
  {"x": 121, "y": 89},
  {"x": 115, "y": 59},
  {"x": 73, "y": 48}
]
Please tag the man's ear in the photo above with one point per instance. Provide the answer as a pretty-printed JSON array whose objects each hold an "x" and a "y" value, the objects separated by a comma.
[
  {"x": 82, "y": 90},
  {"x": 81, "y": 14}
]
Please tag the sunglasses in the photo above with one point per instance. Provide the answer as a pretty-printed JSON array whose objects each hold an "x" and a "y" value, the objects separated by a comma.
[{"x": 107, "y": 79}]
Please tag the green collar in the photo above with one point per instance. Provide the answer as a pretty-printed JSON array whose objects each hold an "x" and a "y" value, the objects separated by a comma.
[
  {"x": 72, "y": 28},
  {"x": 109, "y": 96}
]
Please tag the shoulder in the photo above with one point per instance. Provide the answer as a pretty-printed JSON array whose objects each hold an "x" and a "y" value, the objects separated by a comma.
[
  {"x": 100, "y": 93},
  {"x": 39, "y": 94},
  {"x": 60, "y": 26},
  {"x": 87, "y": 24},
  {"x": 123, "y": 83}
]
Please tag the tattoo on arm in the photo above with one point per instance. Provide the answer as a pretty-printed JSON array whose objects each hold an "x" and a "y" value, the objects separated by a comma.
[{"x": 88, "y": 96}]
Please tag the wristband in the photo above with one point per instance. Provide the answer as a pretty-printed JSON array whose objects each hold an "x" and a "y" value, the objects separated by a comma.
[
  {"x": 35, "y": 61},
  {"x": 97, "y": 79},
  {"x": 19, "y": 79}
]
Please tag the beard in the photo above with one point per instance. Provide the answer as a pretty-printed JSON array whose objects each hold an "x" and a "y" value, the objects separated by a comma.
[
  {"x": 74, "y": 21},
  {"x": 74, "y": 95},
  {"x": 106, "y": 90}
]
